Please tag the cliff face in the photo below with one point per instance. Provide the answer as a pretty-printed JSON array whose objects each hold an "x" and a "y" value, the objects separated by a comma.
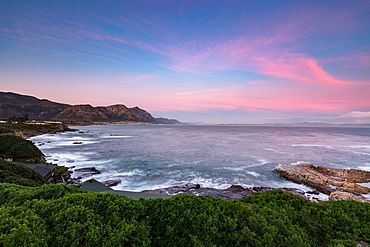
[{"x": 12, "y": 104}]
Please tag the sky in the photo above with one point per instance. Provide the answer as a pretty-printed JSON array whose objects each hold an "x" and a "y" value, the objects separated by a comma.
[{"x": 236, "y": 61}]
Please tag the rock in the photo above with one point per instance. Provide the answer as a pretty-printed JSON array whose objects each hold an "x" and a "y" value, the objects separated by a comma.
[
  {"x": 183, "y": 188},
  {"x": 111, "y": 183},
  {"x": 314, "y": 192},
  {"x": 324, "y": 179},
  {"x": 174, "y": 189},
  {"x": 233, "y": 192},
  {"x": 86, "y": 172},
  {"x": 77, "y": 142},
  {"x": 342, "y": 195},
  {"x": 156, "y": 191}
]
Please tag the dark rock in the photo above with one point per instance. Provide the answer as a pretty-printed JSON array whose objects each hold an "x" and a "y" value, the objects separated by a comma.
[
  {"x": 77, "y": 142},
  {"x": 233, "y": 192},
  {"x": 294, "y": 191},
  {"x": 86, "y": 171},
  {"x": 156, "y": 191},
  {"x": 183, "y": 188},
  {"x": 314, "y": 192},
  {"x": 111, "y": 183}
]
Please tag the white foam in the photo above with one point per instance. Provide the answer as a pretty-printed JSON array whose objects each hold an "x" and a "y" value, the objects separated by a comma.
[
  {"x": 74, "y": 142},
  {"x": 216, "y": 183},
  {"x": 66, "y": 159},
  {"x": 365, "y": 168},
  {"x": 255, "y": 174},
  {"x": 360, "y": 146},
  {"x": 300, "y": 163},
  {"x": 364, "y": 184},
  {"x": 135, "y": 172},
  {"x": 367, "y": 196},
  {"x": 360, "y": 153},
  {"x": 114, "y": 136}
]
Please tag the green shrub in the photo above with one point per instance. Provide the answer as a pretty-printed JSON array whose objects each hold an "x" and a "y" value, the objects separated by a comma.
[
  {"x": 18, "y": 147},
  {"x": 16, "y": 195},
  {"x": 19, "y": 174},
  {"x": 60, "y": 215},
  {"x": 20, "y": 226}
]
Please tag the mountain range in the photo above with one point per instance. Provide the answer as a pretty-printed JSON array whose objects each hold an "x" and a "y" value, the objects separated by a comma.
[{"x": 12, "y": 104}]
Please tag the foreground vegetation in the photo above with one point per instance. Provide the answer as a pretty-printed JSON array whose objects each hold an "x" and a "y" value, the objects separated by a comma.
[
  {"x": 19, "y": 174},
  {"x": 59, "y": 215}
]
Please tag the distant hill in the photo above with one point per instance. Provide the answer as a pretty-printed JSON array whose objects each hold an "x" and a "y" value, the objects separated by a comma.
[{"x": 12, "y": 104}]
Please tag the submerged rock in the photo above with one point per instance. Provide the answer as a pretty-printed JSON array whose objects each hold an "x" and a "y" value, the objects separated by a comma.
[{"x": 326, "y": 180}]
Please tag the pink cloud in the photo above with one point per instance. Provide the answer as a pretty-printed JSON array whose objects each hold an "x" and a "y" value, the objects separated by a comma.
[
  {"x": 265, "y": 99},
  {"x": 299, "y": 68}
]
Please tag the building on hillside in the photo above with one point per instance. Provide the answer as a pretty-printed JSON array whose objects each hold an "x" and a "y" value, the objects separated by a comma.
[{"x": 46, "y": 170}]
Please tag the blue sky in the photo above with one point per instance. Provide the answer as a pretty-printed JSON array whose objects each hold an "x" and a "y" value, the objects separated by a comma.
[{"x": 197, "y": 61}]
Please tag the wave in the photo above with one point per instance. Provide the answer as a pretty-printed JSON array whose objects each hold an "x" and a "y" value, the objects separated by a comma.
[
  {"x": 115, "y": 136},
  {"x": 311, "y": 145}
]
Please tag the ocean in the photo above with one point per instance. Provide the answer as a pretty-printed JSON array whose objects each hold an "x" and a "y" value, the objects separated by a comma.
[{"x": 157, "y": 156}]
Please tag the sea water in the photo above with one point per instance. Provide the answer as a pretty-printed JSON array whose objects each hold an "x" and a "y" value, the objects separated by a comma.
[{"x": 157, "y": 156}]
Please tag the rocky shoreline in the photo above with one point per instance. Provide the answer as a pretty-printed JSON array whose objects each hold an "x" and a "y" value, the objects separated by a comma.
[
  {"x": 233, "y": 192},
  {"x": 339, "y": 184}
]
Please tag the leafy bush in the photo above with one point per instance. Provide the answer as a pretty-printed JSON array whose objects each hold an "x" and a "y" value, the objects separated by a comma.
[
  {"x": 58, "y": 215},
  {"x": 19, "y": 174},
  {"x": 18, "y": 147}
]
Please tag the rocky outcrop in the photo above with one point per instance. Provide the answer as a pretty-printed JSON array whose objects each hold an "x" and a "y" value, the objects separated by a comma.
[
  {"x": 111, "y": 183},
  {"x": 342, "y": 195},
  {"x": 86, "y": 172},
  {"x": 233, "y": 192},
  {"x": 326, "y": 180}
]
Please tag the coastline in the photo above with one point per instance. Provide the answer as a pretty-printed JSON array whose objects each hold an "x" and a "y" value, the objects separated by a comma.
[{"x": 312, "y": 193}]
